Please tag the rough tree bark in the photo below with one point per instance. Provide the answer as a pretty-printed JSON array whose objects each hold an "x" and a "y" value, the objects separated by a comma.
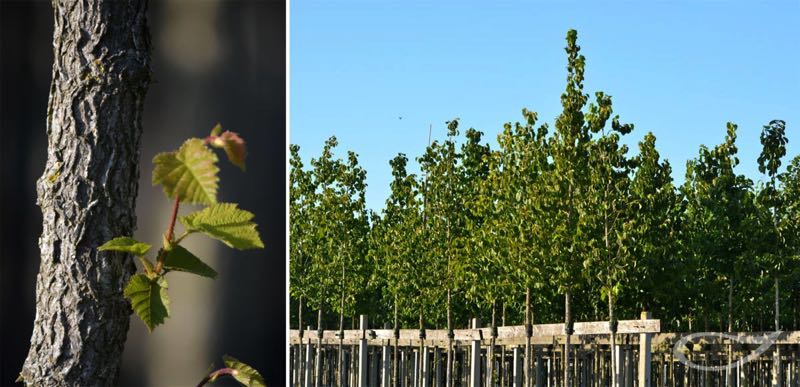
[{"x": 87, "y": 193}]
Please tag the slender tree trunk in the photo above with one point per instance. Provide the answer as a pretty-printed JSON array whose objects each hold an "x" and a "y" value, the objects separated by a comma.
[
  {"x": 422, "y": 351},
  {"x": 299, "y": 362},
  {"x": 318, "y": 364},
  {"x": 490, "y": 352},
  {"x": 300, "y": 315},
  {"x": 777, "y": 374},
  {"x": 568, "y": 333},
  {"x": 613, "y": 337},
  {"x": 503, "y": 367},
  {"x": 730, "y": 306},
  {"x": 528, "y": 331},
  {"x": 612, "y": 323},
  {"x": 341, "y": 333},
  {"x": 87, "y": 194},
  {"x": 729, "y": 374},
  {"x": 396, "y": 345},
  {"x": 777, "y": 304},
  {"x": 449, "y": 367}
]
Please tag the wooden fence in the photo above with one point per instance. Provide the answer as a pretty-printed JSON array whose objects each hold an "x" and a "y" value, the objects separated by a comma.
[{"x": 514, "y": 356}]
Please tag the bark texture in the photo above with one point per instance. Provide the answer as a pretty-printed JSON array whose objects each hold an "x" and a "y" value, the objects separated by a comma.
[{"x": 87, "y": 193}]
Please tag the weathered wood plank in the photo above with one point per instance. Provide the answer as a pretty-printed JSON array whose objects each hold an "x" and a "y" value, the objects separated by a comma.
[
  {"x": 475, "y": 356},
  {"x": 543, "y": 334},
  {"x": 669, "y": 339},
  {"x": 645, "y": 350},
  {"x": 508, "y": 332}
]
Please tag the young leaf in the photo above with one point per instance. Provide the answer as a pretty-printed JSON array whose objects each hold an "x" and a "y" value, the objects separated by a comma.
[
  {"x": 190, "y": 173},
  {"x": 227, "y": 223},
  {"x": 233, "y": 145},
  {"x": 180, "y": 259},
  {"x": 126, "y": 245},
  {"x": 244, "y": 374},
  {"x": 216, "y": 130},
  {"x": 149, "y": 299}
]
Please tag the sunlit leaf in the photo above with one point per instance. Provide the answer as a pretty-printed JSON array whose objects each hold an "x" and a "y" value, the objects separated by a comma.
[
  {"x": 227, "y": 223},
  {"x": 190, "y": 173},
  {"x": 127, "y": 245},
  {"x": 243, "y": 373}
]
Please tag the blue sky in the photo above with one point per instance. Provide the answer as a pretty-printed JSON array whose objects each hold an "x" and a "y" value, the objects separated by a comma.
[{"x": 678, "y": 69}]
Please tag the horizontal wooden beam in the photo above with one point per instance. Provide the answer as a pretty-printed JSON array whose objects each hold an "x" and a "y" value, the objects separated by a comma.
[
  {"x": 545, "y": 334},
  {"x": 715, "y": 338},
  {"x": 505, "y": 335}
]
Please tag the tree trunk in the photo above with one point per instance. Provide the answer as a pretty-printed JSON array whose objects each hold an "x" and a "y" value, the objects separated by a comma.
[
  {"x": 568, "y": 334},
  {"x": 299, "y": 362},
  {"x": 422, "y": 351},
  {"x": 613, "y": 339},
  {"x": 450, "y": 356},
  {"x": 87, "y": 193},
  {"x": 341, "y": 333},
  {"x": 490, "y": 352},
  {"x": 528, "y": 331},
  {"x": 503, "y": 367},
  {"x": 777, "y": 304},
  {"x": 730, "y": 307},
  {"x": 396, "y": 360},
  {"x": 777, "y": 371},
  {"x": 318, "y": 363}
]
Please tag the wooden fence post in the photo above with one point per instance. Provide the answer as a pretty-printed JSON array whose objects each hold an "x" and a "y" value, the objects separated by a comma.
[
  {"x": 617, "y": 375},
  {"x": 645, "y": 355},
  {"x": 386, "y": 376},
  {"x": 425, "y": 367},
  {"x": 629, "y": 365},
  {"x": 373, "y": 367},
  {"x": 362, "y": 352},
  {"x": 401, "y": 370},
  {"x": 540, "y": 367},
  {"x": 777, "y": 367},
  {"x": 517, "y": 367},
  {"x": 318, "y": 362},
  {"x": 308, "y": 381},
  {"x": 437, "y": 362},
  {"x": 386, "y": 361},
  {"x": 475, "y": 358},
  {"x": 415, "y": 368}
]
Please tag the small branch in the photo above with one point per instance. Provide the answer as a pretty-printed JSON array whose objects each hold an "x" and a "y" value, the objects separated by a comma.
[
  {"x": 216, "y": 374},
  {"x": 169, "y": 236},
  {"x": 171, "y": 229}
]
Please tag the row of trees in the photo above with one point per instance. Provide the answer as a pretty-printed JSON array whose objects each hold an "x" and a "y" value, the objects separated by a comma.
[{"x": 548, "y": 226}]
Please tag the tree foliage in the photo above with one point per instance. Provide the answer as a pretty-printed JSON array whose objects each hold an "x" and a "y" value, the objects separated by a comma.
[{"x": 571, "y": 209}]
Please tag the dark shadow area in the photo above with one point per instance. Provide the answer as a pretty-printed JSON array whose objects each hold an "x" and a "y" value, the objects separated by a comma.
[{"x": 213, "y": 61}]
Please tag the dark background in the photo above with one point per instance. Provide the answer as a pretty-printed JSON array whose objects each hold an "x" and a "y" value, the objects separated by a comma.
[{"x": 213, "y": 61}]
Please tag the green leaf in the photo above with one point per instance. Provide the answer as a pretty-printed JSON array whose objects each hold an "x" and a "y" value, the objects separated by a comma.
[
  {"x": 216, "y": 130},
  {"x": 149, "y": 299},
  {"x": 126, "y": 245},
  {"x": 233, "y": 145},
  {"x": 190, "y": 173},
  {"x": 180, "y": 259},
  {"x": 243, "y": 373},
  {"x": 227, "y": 223}
]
